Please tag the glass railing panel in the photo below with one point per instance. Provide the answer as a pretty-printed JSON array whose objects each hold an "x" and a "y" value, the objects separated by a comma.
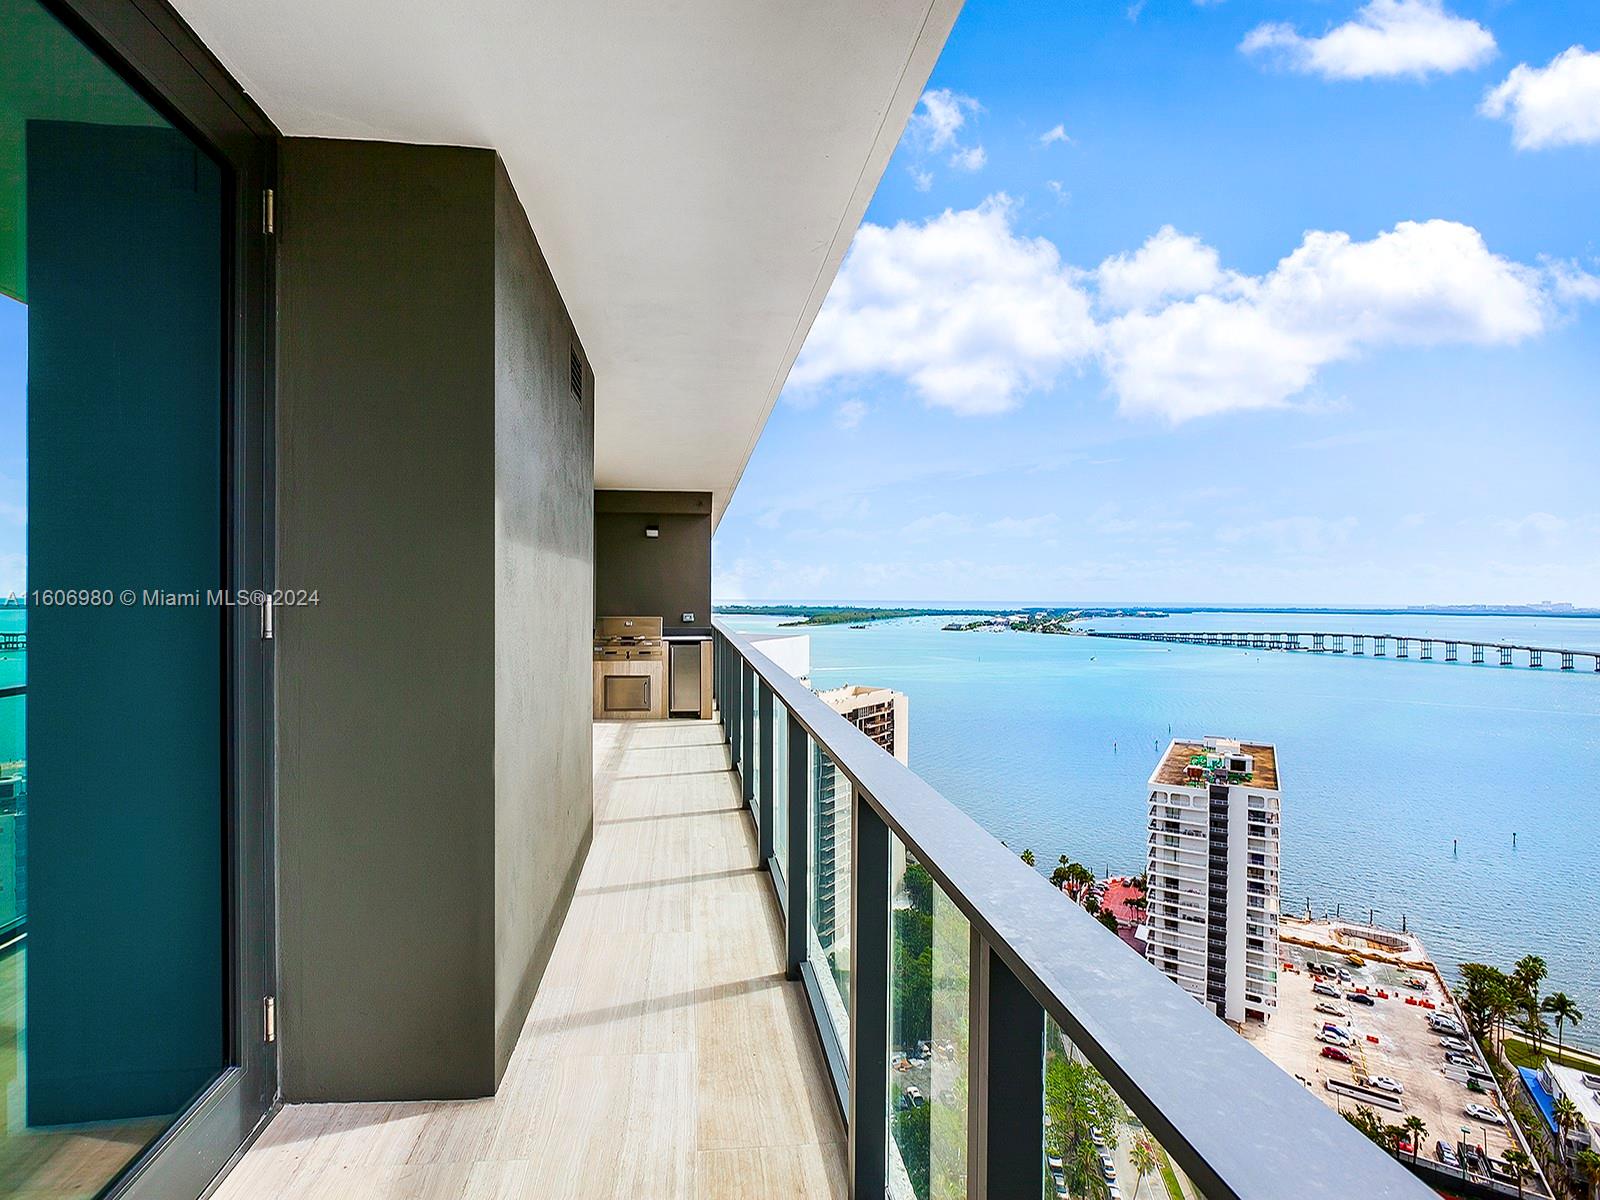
[
  {"x": 753, "y": 769},
  {"x": 929, "y": 990},
  {"x": 829, "y": 851},
  {"x": 13, "y": 800},
  {"x": 1095, "y": 1147},
  {"x": 780, "y": 786}
]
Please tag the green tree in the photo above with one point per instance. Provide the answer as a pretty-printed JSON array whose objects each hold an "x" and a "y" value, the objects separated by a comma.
[
  {"x": 1567, "y": 1116},
  {"x": 912, "y": 1137},
  {"x": 1417, "y": 1129},
  {"x": 1488, "y": 997},
  {"x": 1109, "y": 919},
  {"x": 1058, "y": 873},
  {"x": 1027, "y": 857},
  {"x": 1526, "y": 977},
  {"x": 1142, "y": 1156},
  {"x": 912, "y": 986},
  {"x": 1587, "y": 1165},
  {"x": 1521, "y": 1165},
  {"x": 1368, "y": 1122},
  {"x": 1566, "y": 1012},
  {"x": 1079, "y": 880},
  {"x": 1078, "y": 1102}
]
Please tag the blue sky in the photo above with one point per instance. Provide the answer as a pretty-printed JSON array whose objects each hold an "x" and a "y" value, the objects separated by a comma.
[{"x": 1300, "y": 305}]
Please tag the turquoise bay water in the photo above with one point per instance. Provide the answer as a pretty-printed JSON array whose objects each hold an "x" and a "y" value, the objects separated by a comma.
[
  {"x": 13, "y": 671},
  {"x": 1403, "y": 782}
]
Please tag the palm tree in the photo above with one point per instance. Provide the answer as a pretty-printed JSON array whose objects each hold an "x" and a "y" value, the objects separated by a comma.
[
  {"x": 1082, "y": 878},
  {"x": 1142, "y": 1155},
  {"x": 1566, "y": 1012},
  {"x": 1027, "y": 857},
  {"x": 1526, "y": 977},
  {"x": 1418, "y": 1129},
  {"x": 1521, "y": 1165},
  {"x": 1567, "y": 1116},
  {"x": 1058, "y": 874}
]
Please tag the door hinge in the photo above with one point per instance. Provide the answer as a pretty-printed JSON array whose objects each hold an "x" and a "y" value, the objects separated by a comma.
[
  {"x": 267, "y": 615},
  {"x": 269, "y": 1018},
  {"x": 269, "y": 215}
]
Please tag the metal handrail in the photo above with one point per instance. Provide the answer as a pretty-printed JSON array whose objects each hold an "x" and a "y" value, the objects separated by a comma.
[{"x": 1233, "y": 1121}]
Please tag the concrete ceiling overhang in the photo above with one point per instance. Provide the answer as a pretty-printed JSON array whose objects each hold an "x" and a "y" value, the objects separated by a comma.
[{"x": 694, "y": 171}]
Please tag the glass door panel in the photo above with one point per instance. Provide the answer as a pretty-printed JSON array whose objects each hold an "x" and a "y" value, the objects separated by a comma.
[{"x": 112, "y": 665}]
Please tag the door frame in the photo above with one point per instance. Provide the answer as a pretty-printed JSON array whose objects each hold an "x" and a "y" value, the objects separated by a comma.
[{"x": 149, "y": 44}]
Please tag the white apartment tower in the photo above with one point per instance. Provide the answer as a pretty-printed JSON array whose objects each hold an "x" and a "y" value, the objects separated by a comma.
[{"x": 1213, "y": 874}]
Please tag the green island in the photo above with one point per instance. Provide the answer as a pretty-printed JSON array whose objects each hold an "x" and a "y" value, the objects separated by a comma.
[
  {"x": 1020, "y": 620},
  {"x": 832, "y": 614}
]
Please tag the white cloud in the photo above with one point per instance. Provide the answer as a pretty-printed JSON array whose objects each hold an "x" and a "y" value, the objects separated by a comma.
[
  {"x": 1133, "y": 10},
  {"x": 1386, "y": 38},
  {"x": 941, "y": 117},
  {"x": 1057, "y": 133},
  {"x": 848, "y": 415},
  {"x": 1028, "y": 528},
  {"x": 1311, "y": 537},
  {"x": 1572, "y": 284},
  {"x": 973, "y": 315},
  {"x": 1541, "y": 525},
  {"x": 921, "y": 180},
  {"x": 1554, "y": 105},
  {"x": 1257, "y": 341},
  {"x": 935, "y": 526},
  {"x": 1060, "y": 193},
  {"x": 968, "y": 312},
  {"x": 1170, "y": 265},
  {"x": 970, "y": 158}
]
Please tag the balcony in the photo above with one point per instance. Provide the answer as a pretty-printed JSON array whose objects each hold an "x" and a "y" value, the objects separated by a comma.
[{"x": 693, "y": 1036}]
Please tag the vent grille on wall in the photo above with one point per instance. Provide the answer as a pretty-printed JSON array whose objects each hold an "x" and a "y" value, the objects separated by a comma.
[{"x": 577, "y": 377}]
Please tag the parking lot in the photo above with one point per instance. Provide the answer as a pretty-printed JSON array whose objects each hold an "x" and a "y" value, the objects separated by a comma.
[{"x": 1390, "y": 1038}]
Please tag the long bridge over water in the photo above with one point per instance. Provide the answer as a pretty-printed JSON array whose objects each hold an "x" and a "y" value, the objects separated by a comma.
[{"x": 1357, "y": 645}]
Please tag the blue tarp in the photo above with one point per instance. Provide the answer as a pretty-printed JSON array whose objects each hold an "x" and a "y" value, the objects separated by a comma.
[{"x": 1543, "y": 1099}]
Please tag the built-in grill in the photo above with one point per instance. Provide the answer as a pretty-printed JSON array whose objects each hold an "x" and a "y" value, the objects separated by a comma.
[
  {"x": 629, "y": 667},
  {"x": 628, "y": 638}
]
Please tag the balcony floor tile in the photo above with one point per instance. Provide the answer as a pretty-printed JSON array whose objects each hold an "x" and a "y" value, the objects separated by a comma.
[{"x": 665, "y": 1054}]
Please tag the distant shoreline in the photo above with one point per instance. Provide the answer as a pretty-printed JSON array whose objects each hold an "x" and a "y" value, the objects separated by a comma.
[{"x": 838, "y": 614}]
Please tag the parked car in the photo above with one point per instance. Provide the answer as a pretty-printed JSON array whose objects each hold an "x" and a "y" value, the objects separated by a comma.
[
  {"x": 1442, "y": 1023},
  {"x": 1482, "y": 1112},
  {"x": 1460, "y": 1045},
  {"x": 912, "y": 1098},
  {"x": 1360, "y": 998},
  {"x": 1344, "y": 975},
  {"x": 1323, "y": 989},
  {"x": 1460, "y": 1060},
  {"x": 1446, "y": 1154},
  {"x": 1385, "y": 1083},
  {"x": 1335, "y": 1053},
  {"x": 1332, "y": 1010}
]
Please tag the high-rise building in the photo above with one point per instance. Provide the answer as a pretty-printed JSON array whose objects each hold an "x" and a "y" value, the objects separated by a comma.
[
  {"x": 1213, "y": 874},
  {"x": 881, "y": 714}
]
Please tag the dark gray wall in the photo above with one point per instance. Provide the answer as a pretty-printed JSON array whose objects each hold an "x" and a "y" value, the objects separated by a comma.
[
  {"x": 544, "y": 577},
  {"x": 414, "y": 428},
  {"x": 665, "y": 576}
]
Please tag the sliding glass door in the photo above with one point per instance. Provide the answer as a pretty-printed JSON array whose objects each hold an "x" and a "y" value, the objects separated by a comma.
[{"x": 132, "y": 887}]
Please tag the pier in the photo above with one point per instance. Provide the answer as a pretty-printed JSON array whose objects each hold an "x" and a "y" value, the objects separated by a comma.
[{"x": 1372, "y": 645}]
